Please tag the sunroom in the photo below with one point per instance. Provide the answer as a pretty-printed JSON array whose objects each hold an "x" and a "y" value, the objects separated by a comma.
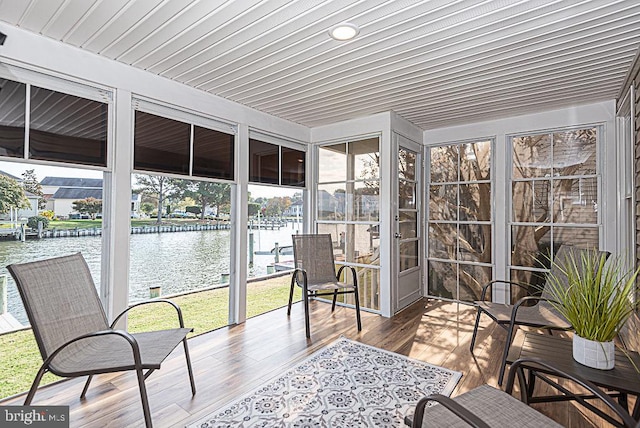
[{"x": 445, "y": 145}]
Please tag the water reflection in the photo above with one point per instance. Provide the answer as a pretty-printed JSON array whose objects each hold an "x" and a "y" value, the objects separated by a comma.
[{"x": 177, "y": 261}]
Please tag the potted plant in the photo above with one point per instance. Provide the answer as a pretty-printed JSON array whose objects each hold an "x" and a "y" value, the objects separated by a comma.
[{"x": 595, "y": 296}]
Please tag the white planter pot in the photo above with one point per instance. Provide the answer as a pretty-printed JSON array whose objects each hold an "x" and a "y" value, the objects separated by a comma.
[{"x": 598, "y": 355}]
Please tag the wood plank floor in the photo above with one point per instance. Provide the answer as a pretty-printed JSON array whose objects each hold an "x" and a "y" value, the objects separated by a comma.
[{"x": 236, "y": 359}]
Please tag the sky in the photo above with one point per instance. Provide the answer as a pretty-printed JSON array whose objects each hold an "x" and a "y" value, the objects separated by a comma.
[{"x": 17, "y": 168}]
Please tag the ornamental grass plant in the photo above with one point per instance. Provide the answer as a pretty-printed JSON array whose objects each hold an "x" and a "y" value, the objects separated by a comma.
[{"x": 599, "y": 297}]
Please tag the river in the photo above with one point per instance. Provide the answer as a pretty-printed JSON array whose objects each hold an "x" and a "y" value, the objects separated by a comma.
[{"x": 176, "y": 261}]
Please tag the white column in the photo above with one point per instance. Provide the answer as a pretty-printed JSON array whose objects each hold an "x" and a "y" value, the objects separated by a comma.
[
  {"x": 239, "y": 242},
  {"x": 117, "y": 208}
]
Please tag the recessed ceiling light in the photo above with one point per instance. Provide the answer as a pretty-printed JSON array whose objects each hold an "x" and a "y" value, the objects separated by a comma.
[{"x": 344, "y": 31}]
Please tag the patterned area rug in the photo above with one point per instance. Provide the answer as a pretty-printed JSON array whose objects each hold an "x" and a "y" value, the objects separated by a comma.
[{"x": 345, "y": 384}]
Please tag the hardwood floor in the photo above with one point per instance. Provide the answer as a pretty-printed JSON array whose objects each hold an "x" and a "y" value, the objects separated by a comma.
[{"x": 236, "y": 359}]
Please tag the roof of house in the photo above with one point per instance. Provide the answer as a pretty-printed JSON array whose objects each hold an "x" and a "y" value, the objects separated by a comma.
[
  {"x": 13, "y": 177},
  {"x": 77, "y": 193},
  {"x": 95, "y": 183}
]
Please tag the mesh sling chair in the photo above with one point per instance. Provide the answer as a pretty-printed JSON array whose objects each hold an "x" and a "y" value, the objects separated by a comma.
[
  {"x": 539, "y": 315},
  {"x": 72, "y": 331},
  {"x": 486, "y": 406},
  {"x": 315, "y": 273}
]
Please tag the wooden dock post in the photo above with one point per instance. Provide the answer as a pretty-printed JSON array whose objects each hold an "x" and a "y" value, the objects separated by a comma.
[
  {"x": 3, "y": 294},
  {"x": 154, "y": 292}
]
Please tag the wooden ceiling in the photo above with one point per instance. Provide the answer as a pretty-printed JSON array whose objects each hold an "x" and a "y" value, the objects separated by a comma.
[{"x": 436, "y": 63}]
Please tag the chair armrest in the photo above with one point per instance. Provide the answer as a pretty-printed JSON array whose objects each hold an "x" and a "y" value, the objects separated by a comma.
[
  {"x": 450, "y": 404},
  {"x": 147, "y": 302},
  {"x": 500, "y": 281},
  {"x": 354, "y": 274},
  {"x": 531, "y": 363},
  {"x": 296, "y": 271},
  {"x": 127, "y": 336}
]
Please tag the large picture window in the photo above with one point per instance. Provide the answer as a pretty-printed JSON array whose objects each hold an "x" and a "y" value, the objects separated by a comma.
[
  {"x": 459, "y": 220},
  {"x": 348, "y": 208},
  {"x": 275, "y": 164},
  {"x": 554, "y": 198}
]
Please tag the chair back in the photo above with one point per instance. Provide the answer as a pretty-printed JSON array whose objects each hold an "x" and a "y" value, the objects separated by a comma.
[
  {"x": 565, "y": 254},
  {"x": 314, "y": 254},
  {"x": 60, "y": 299}
]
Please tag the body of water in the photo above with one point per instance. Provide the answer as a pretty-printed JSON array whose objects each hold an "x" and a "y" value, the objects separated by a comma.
[{"x": 176, "y": 261}]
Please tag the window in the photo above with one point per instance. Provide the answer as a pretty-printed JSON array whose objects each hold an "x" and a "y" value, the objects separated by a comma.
[
  {"x": 62, "y": 127},
  {"x": 188, "y": 145},
  {"x": 554, "y": 198},
  {"x": 348, "y": 207},
  {"x": 275, "y": 164},
  {"x": 459, "y": 220}
]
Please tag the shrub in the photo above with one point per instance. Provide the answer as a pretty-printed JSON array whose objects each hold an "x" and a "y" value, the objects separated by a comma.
[
  {"x": 33, "y": 221},
  {"x": 48, "y": 214}
]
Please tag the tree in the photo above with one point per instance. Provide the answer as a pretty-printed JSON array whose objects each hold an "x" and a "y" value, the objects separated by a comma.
[
  {"x": 276, "y": 206},
  {"x": 208, "y": 194},
  {"x": 158, "y": 188},
  {"x": 254, "y": 208},
  {"x": 11, "y": 195},
  {"x": 90, "y": 206},
  {"x": 32, "y": 185}
]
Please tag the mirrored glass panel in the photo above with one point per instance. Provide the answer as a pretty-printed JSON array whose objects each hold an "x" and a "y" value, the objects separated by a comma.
[
  {"x": 408, "y": 224},
  {"x": 331, "y": 201},
  {"x": 472, "y": 279},
  {"x": 580, "y": 237},
  {"x": 408, "y": 255},
  {"x": 475, "y": 161},
  {"x": 443, "y": 279},
  {"x": 292, "y": 168},
  {"x": 443, "y": 240},
  {"x": 532, "y": 156},
  {"x": 406, "y": 164},
  {"x": 475, "y": 202},
  {"x": 443, "y": 202},
  {"x": 161, "y": 144},
  {"x": 264, "y": 162},
  {"x": 406, "y": 194},
  {"x": 531, "y": 245},
  {"x": 574, "y": 152},
  {"x": 365, "y": 201},
  {"x": 365, "y": 156},
  {"x": 474, "y": 242},
  {"x": 12, "y": 113},
  {"x": 576, "y": 200},
  {"x": 338, "y": 232},
  {"x": 213, "y": 153},
  {"x": 66, "y": 128},
  {"x": 444, "y": 164},
  {"x": 332, "y": 163},
  {"x": 530, "y": 200}
]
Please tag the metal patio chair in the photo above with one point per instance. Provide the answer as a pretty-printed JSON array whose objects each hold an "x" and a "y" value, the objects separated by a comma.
[
  {"x": 539, "y": 315},
  {"x": 486, "y": 406},
  {"x": 72, "y": 331},
  {"x": 315, "y": 273}
]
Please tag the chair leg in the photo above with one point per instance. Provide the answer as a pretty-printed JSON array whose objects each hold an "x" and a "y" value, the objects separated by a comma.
[
  {"x": 293, "y": 279},
  {"x": 507, "y": 345},
  {"x": 475, "y": 331},
  {"x": 86, "y": 387},
  {"x": 335, "y": 297},
  {"x": 355, "y": 291},
  {"x": 34, "y": 385},
  {"x": 305, "y": 297},
  {"x": 144, "y": 398},
  {"x": 189, "y": 368}
]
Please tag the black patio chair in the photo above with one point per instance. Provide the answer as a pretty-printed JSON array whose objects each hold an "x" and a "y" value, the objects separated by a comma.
[
  {"x": 486, "y": 406},
  {"x": 72, "y": 331},
  {"x": 541, "y": 314},
  {"x": 315, "y": 273}
]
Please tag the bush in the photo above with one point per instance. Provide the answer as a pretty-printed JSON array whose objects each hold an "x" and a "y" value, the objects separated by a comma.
[
  {"x": 48, "y": 214},
  {"x": 33, "y": 221}
]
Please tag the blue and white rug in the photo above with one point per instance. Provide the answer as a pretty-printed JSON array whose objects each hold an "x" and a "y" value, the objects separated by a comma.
[{"x": 345, "y": 384}]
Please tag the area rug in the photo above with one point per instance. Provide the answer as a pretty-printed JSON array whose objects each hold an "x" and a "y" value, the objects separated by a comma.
[{"x": 345, "y": 384}]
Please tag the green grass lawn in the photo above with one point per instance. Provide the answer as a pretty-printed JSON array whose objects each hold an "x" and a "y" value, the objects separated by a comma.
[{"x": 203, "y": 311}]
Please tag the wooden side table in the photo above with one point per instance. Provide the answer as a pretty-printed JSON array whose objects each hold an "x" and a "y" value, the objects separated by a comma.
[{"x": 619, "y": 382}]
